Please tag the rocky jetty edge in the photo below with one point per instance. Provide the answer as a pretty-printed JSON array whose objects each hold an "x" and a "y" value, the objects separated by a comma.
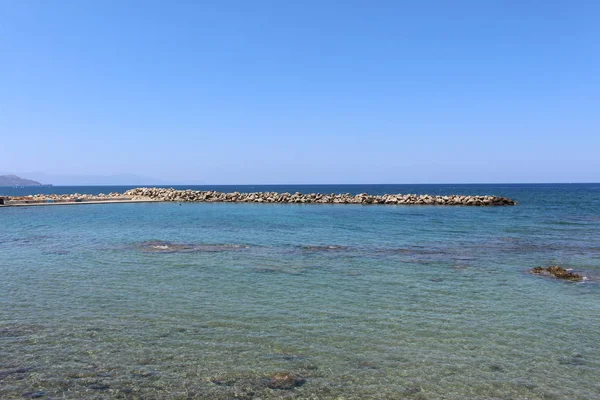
[
  {"x": 169, "y": 194},
  {"x": 274, "y": 197}
]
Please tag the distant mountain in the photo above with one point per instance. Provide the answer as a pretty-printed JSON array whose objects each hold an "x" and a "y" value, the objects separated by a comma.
[{"x": 13, "y": 180}]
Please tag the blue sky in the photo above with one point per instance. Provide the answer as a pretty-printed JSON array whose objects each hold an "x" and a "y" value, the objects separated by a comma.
[{"x": 301, "y": 91}]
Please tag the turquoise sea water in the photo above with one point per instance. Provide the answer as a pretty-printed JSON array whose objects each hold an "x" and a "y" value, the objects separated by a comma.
[{"x": 170, "y": 301}]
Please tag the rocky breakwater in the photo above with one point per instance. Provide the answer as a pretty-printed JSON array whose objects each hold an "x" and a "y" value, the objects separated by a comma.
[
  {"x": 61, "y": 198},
  {"x": 164, "y": 194},
  {"x": 70, "y": 197}
]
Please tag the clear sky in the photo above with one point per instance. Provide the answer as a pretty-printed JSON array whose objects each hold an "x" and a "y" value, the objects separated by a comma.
[{"x": 302, "y": 91}]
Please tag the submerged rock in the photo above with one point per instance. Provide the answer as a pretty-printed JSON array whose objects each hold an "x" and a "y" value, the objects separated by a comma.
[
  {"x": 159, "y": 246},
  {"x": 575, "y": 360},
  {"x": 285, "y": 357},
  {"x": 33, "y": 395},
  {"x": 16, "y": 371},
  {"x": 221, "y": 380},
  {"x": 15, "y": 330},
  {"x": 99, "y": 386},
  {"x": 496, "y": 368},
  {"x": 412, "y": 390},
  {"x": 325, "y": 248},
  {"x": 557, "y": 272},
  {"x": 285, "y": 381}
]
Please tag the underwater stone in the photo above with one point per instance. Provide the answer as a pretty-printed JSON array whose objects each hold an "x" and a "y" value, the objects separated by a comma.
[
  {"x": 33, "y": 395},
  {"x": 325, "y": 248},
  {"x": 99, "y": 386},
  {"x": 557, "y": 272},
  {"x": 285, "y": 381},
  {"x": 222, "y": 381}
]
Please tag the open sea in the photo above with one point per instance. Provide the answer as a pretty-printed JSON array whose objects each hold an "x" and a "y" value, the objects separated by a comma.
[{"x": 209, "y": 300}]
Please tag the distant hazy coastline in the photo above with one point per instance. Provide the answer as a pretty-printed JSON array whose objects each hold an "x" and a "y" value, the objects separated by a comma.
[{"x": 14, "y": 180}]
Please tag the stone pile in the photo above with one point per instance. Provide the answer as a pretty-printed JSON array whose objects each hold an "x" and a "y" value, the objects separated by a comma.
[
  {"x": 164, "y": 194},
  {"x": 68, "y": 197}
]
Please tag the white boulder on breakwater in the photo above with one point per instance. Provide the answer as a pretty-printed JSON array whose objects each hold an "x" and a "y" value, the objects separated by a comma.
[{"x": 164, "y": 194}]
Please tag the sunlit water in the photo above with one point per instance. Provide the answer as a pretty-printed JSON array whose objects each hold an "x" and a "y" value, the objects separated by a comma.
[{"x": 170, "y": 301}]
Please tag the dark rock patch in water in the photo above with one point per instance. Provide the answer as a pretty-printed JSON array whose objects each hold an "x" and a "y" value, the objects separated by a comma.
[
  {"x": 22, "y": 370},
  {"x": 82, "y": 375},
  {"x": 33, "y": 395},
  {"x": 325, "y": 248},
  {"x": 412, "y": 390},
  {"x": 223, "y": 381},
  {"x": 14, "y": 371},
  {"x": 146, "y": 361},
  {"x": 557, "y": 272},
  {"x": 267, "y": 270},
  {"x": 14, "y": 330},
  {"x": 158, "y": 246},
  {"x": 32, "y": 239},
  {"x": 144, "y": 373},
  {"x": 496, "y": 368},
  {"x": 285, "y": 357},
  {"x": 575, "y": 360},
  {"x": 399, "y": 251},
  {"x": 99, "y": 386},
  {"x": 56, "y": 252},
  {"x": 297, "y": 270},
  {"x": 284, "y": 381}
]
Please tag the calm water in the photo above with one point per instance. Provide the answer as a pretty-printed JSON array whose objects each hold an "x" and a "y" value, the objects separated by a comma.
[{"x": 160, "y": 301}]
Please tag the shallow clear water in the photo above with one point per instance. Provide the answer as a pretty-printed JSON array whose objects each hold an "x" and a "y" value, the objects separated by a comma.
[{"x": 389, "y": 302}]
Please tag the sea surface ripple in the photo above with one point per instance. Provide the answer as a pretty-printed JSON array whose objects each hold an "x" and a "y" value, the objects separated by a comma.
[{"x": 207, "y": 301}]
